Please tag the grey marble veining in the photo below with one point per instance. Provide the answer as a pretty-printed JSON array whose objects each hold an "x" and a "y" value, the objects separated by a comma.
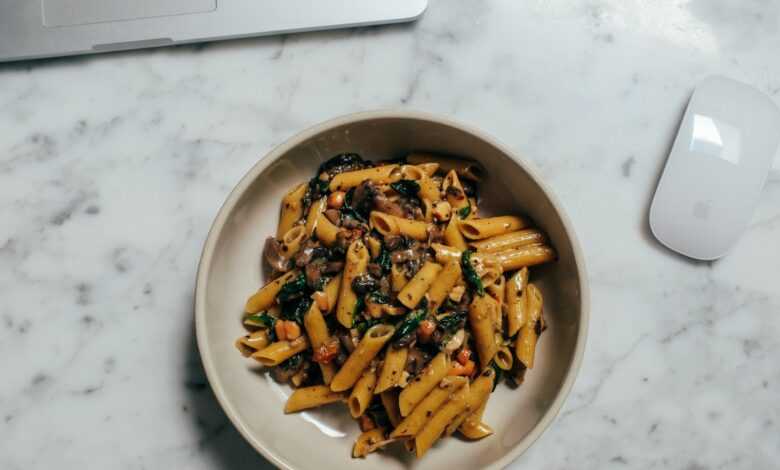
[{"x": 112, "y": 168}]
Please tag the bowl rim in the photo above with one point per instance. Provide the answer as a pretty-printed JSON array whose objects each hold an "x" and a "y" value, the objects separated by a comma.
[{"x": 233, "y": 197}]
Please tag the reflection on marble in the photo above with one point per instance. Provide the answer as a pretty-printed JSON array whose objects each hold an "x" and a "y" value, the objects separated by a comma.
[{"x": 112, "y": 168}]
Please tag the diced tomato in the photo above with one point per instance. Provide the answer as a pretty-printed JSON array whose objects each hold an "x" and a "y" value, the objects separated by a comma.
[
  {"x": 425, "y": 330},
  {"x": 326, "y": 352},
  {"x": 463, "y": 356}
]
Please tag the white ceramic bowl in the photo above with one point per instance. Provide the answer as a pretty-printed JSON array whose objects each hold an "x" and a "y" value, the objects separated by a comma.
[{"x": 230, "y": 270}]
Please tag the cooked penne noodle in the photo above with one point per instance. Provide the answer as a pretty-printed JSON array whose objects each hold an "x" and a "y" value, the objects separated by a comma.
[
  {"x": 427, "y": 210},
  {"x": 387, "y": 225},
  {"x": 497, "y": 290},
  {"x": 516, "y": 301},
  {"x": 292, "y": 209},
  {"x": 362, "y": 393},
  {"x": 374, "y": 246},
  {"x": 392, "y": 369},
  {"x": 525, "y": 346},
  {"x": 372, "y": 342},
  {"x": 252, "y": 342},
  {"x": 317, "y": 331},
  {"x": 525, "y": 256},
  {"x": 314, "y": 215},
  {"x": 429, "y": 168},
  {"x": 378, "y": 174},
  {"x": 509, "y": 240},
  {"x": 292, "y": 240},
  {"x": 535, "y": 301},
  {"x": 453, "y": 189},
  {"x": 326, "y": 231},
  {"x": 473, "y": 428},
  {"x": 415, "y": 172},
  {"x": 466, "y": 168},
  {"x": 278, "y": 352},
  {"x": 503, "y": 358},
  {"x": 389, "y": 400},
  {"x": 416, "y": 288},
  {"x": 488, "y": 269},
  {"x": 356, "y": 261},
  {"x": 332, "y": 292},
  {"x": 478, "y": 229},
  {"x": 443, "y": 284},
  {"x": 311, "y": 397},
  {"x": 452, "y": 235},
  {"x": 265, "y": 297},
  {"x": 416, "y": 420},
  {"x": 397, "y": 278},
  {"x": 367, "y": 441},
  {"x": 435, "y": 427},
  {"x": 428, "y": 378},
  {"x": 430, "y": 189},
  {"x": 481, "y": 321},
  {"x": 479, "y": 392}
]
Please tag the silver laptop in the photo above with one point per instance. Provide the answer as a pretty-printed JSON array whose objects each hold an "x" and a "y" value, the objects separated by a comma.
[{"x": 31, "y": 29}]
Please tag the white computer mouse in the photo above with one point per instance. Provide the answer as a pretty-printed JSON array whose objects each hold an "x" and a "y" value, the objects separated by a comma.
[{"x": 716, "y": 170}]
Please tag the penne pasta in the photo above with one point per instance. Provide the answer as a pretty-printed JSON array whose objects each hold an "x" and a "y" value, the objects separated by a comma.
[
  {"x": 430, "y": 189},
  {"x": 392, "y": 369},
  {"x": 317, "y": 331},
  {"x": 389, "y": 400},
  {"x": 509, "y": 241},
  {"x": 362, "y": 393},
  {"x": 525, "y": 256},
  {"x": 516, "y": 301},
  {"x": 503, "y": 358},
  {"x": 265, "y": 297},
  {"x": 398, "y": 278},
  {"x": 479, "y": 393},
  {"x": 425, "y": 381},
  {"x": 252, "y": 342},
  {"x": 278, "y": 352},
  {"x": 292, "y": 240},
  {"x": 416, "y": 420},
  {"x": 367, "y": 441},
  {"x": 478, "y": 229},
  {"x": 481, "y": 317},
  {"x": 372, "y": 342},
  {"x": 453, "y": 189},
  {"x": 469, "y": 169},
  {"x": 443, "y": 284},
  {"x": 313, "y": 216},
  {"x": 378, "y": 174},
  {"x": 326, "y": 231},
  {"x": 452, "y": 235},
  {"x": 356, "y": 261},
  {"x": 416, "y": 288},
  {"x": 292, "y": 209},
  {"x": 388, "y": 225},
  {"x": 305, "y": 398},
  {"x": 473, "y": 428},
  {"x": 436, "y": 426}
]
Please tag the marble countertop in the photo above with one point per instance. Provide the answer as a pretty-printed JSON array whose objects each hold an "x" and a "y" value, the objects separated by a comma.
[{"x": 97, "y": 353}]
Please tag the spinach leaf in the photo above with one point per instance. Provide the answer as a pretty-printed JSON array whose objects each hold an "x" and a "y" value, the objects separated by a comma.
[
  {"x": 411, "y": 321},
  {"x": 464, "y": 212},
  {"x": 360, "y": 305},
  {"x": 377, "y": 297},
  {"x": 408, "y": 188},
  {"x": 451, "y": 323},
  {"x": 342, "y": 162},
  {"x": 383, "y": 260},
  {"x": 470, "y": 274},
  {"x": 266, "y": 321},
  {"x": 295, "y": 309},
  {"x": 292, "y": 289},
  {"x": 364, "y": 324},
  {"x": 292, "y": 363},
  {"x": 347, "y": 210}
]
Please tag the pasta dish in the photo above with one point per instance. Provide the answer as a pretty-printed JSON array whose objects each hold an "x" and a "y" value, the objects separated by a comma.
[{"x": 391, "y": 293}]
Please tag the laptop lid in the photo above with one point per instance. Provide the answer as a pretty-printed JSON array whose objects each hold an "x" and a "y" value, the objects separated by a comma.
[{"x": 46, "y": 28}]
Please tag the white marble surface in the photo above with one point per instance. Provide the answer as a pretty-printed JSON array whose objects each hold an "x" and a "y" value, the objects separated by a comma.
[{"x": 112, "y": 168}]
